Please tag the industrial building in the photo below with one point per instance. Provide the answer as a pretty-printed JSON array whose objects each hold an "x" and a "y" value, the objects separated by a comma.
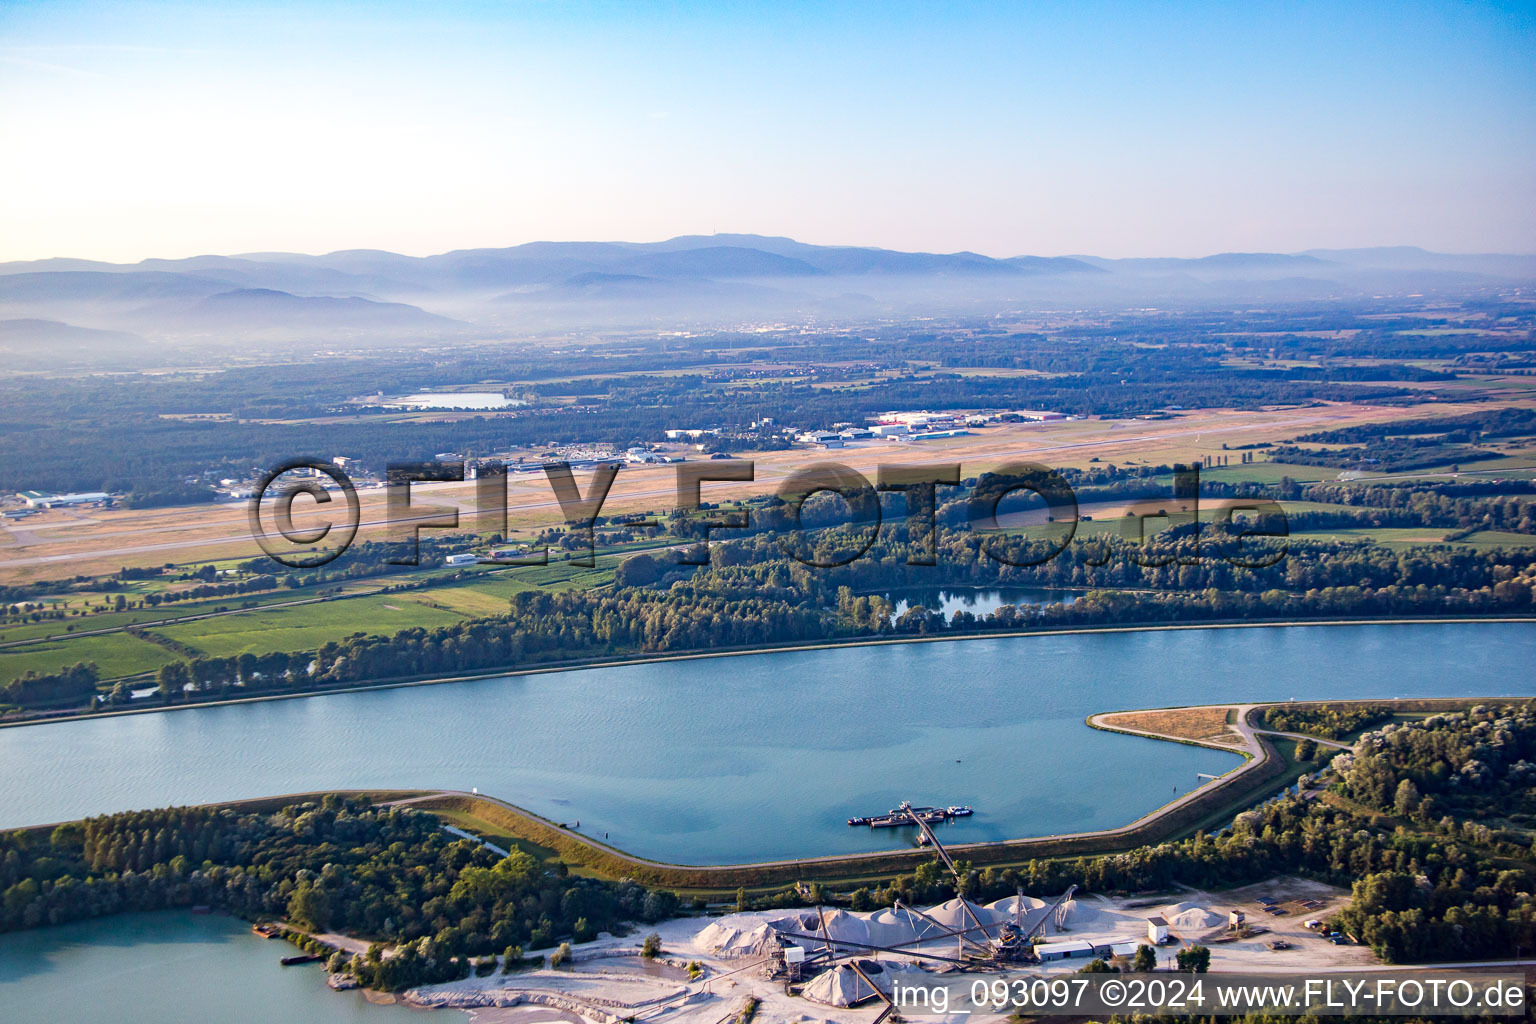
[
  {"x": 1048, "y": 951},
  {"x": 1068, "y": 949},
  {"x": 38, "y": 499}
]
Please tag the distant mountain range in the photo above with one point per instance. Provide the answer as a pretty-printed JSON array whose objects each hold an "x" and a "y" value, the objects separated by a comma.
[{"x": 382, "y": 297}]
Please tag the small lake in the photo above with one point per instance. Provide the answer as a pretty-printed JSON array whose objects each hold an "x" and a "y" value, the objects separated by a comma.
[
  {"x": 174, "y": 968},
  {"x": 455, "y": 400},
  {"x": 979, "y": 601},
  {"x": 766, "y": 756}
]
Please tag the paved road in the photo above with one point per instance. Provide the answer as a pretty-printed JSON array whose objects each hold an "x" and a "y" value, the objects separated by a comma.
[
  {"x": 1303, "y": 736},
  {"x": 475, "y": 839}
]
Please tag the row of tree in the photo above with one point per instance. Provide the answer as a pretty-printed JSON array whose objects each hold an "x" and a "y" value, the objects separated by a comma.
[
  {"x": 752, "y": 594},
  {"x": 391, "y": 874},
  {"x": 1330, "y": 721}
]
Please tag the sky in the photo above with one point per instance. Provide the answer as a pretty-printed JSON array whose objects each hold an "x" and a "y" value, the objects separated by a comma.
[{"x": 131, "y": 130}]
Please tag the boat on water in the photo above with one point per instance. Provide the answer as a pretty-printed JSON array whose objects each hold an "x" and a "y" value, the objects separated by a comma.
[{"x": 898, "y": 817}]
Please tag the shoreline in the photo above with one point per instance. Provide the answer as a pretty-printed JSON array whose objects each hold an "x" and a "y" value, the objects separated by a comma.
[
  {"x": 619, "y": 662},
  {"x": 1257, "y": 753}
]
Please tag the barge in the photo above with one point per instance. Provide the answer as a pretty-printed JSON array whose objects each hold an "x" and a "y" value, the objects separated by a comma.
[{"x": 896, "y": 817}]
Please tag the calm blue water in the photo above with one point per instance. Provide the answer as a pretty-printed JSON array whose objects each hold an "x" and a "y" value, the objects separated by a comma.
[
  {"x": 173, "y": 968},
  {"x": 767, "y": 755}
]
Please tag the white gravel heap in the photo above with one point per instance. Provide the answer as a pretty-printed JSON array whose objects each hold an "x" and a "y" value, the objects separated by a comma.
[
  {"x": 842, "y": 986},
  {"x": 753, "y": 934},
  {"x": 1191, "y": 916}
]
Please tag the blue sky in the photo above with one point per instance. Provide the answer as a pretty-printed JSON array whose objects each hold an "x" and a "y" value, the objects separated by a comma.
[{"x": 133, "y": 130}]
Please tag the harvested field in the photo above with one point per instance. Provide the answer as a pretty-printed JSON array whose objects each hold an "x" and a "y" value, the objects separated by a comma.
[{"x": 1201, "y": 725}]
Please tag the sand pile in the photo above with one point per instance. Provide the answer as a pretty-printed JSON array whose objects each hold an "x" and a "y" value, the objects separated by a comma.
[
  {"x": 1011, "y": 903},
  {"x": 898, "y": 927},
  {"x": 1191, "y": 916},
  {"x": 1081, "y": 916},
  {"x": 1034, "y": 911},
  {"x": 952, "y": 913},
  {"x": 743, "y": 935},
  {"x": 842, "y": 986}
]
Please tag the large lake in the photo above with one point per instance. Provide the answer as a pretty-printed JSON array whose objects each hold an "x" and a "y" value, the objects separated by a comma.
[
  {"x": 173, "y": 968},
  {"x": 767, "y": 755}
]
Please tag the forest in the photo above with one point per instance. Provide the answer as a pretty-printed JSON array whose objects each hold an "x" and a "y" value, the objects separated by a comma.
[
  {"x": 161, "y": 437},
  {"x": 392, "y": 874},
  {"x": 1330, "y": 722}
]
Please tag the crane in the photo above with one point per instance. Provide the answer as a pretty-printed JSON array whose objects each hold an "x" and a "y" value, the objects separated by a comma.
[
  {"x": 1011, "y": 941},
  {"x": 944, "y": 930},
  {"x": 949, "y": 862}
]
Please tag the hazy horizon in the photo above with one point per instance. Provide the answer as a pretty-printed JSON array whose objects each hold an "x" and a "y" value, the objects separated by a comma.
[
  {"x": 426, "y": 253},
  {"x": 169, "y": 130}
]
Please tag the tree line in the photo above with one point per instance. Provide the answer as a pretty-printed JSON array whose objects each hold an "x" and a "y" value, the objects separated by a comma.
[
  {"x": 754, "y": 595},
  {"x": 340, "y": 864},
  {"x": 1330, "y": 721}
]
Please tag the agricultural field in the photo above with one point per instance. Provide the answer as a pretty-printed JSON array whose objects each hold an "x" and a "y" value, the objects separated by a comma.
[
  {"x": 294, "y": 629},
  {"x": 60, "y": 628},
  {"x": 287, "y": 629},
  {"x": 1267, "y": 472},
  {"x": 1408, "y": 536},
  {"x": 323, "y": 613},
  {"x": 115, "y": 654}
]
